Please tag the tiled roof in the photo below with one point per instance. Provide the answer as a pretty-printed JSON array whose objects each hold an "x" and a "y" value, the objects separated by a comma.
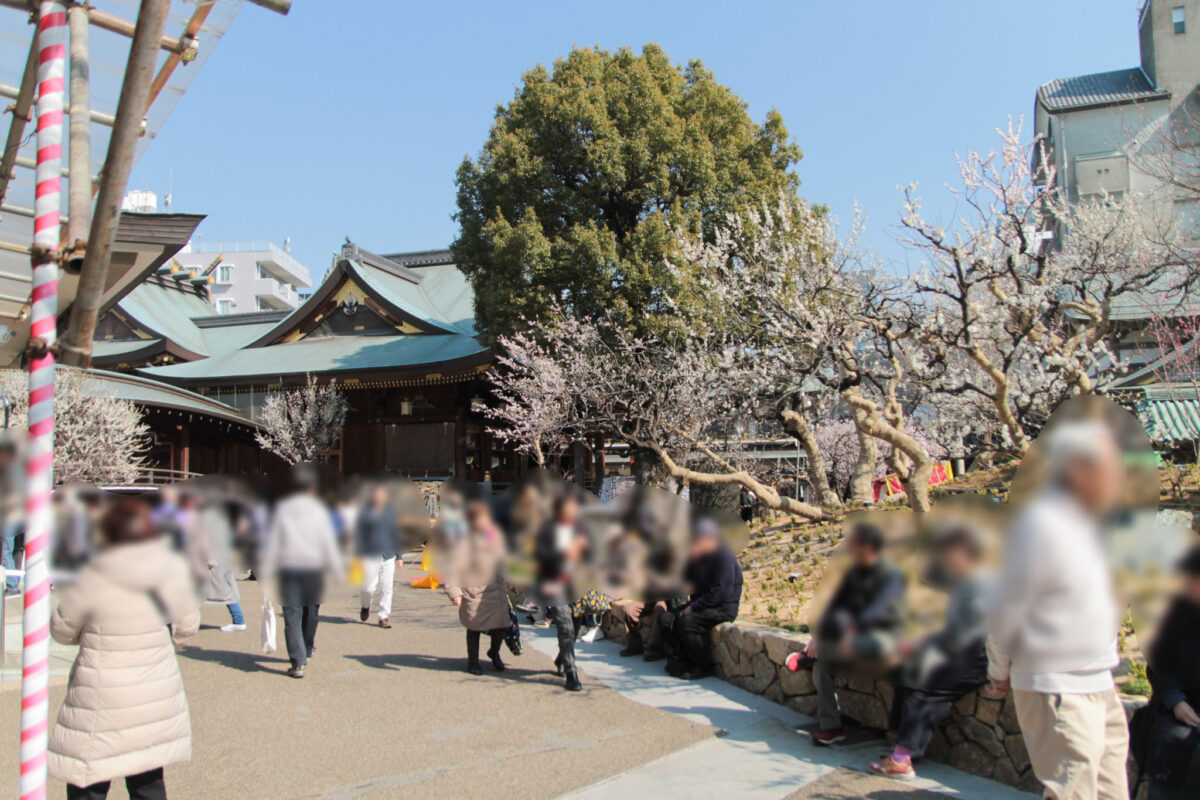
[
  {"x": 331, "y": 354},
  {"x": 1171, "y": 415},
  {"x": 147, "y": 392},
  {"x": 1101, "y": 88}
]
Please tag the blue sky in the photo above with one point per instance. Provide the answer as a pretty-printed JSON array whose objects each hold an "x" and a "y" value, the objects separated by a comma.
[{"x": 332, "y": 122}]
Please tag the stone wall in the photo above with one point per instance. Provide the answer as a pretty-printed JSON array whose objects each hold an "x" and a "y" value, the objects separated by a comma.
[{"x": 981, "y": 736}]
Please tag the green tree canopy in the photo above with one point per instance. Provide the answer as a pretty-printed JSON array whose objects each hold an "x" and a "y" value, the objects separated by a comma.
[{"x": 587, "y": 172}]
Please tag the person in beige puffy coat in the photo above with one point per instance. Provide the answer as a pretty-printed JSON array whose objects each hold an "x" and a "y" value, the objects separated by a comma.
[
  {"x": 475, "y": 583},
  {"x": 125, "y": 714}
]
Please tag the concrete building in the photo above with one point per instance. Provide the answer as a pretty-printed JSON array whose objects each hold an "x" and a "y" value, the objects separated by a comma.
[
  {"x": 1098, "y": 130},
  {"x": 249, "y": 276},
  {"x": 1135, "y": 132}
]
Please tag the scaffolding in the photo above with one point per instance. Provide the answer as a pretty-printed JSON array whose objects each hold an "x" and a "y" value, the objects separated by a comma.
[{"x": 87, "y": 78}]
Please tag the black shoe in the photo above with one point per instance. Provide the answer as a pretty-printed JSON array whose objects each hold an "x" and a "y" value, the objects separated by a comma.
[
  {"x": 296, "y": 672},
  {"x": 635, "y": 647},
  {"x": 363, "y": 613},
  {"x": 695, "y": 673},
  {"x": 654, "y": 655},
  {"x": 496, "y": 662},
  {"x": 474, "y": 668},
  {"x": 573, "y": 684}
]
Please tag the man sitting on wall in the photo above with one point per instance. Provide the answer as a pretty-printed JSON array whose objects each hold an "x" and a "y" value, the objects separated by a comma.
[
  {"x": 714, "y": 578},
  {"x": 862, "y": 624}
]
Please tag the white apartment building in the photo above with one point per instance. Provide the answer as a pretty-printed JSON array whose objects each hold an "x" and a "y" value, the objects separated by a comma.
[{"x": 249, "y": 276}]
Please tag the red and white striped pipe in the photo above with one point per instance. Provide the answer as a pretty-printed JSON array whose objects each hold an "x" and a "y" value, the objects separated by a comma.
[{"x": 35, "y": 661}]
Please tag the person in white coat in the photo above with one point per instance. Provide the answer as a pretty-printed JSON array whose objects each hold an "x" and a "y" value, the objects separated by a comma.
[
  {"x": 1052, "y": 632},
  {"x": 125, "y": 714}
]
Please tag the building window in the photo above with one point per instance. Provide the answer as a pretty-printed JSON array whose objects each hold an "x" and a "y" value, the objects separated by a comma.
[
  {"x": 225, "y": 306},
  {"x": 225, "y": 273},
  {"x": 1179, "y": 19},
  {"x": 262, "y": 272}
]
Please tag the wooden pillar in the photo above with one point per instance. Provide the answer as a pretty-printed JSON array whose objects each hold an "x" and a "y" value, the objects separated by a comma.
[{"x": 185, "y": 449}]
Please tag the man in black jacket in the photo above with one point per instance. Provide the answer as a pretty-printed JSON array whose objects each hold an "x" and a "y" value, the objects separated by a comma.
[
  {"x": 715, "y": 580},
  {"x": 863, "y": 623}
]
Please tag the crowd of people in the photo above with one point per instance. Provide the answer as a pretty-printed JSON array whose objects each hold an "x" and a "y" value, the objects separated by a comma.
[{"x": 1042, "y": 624}]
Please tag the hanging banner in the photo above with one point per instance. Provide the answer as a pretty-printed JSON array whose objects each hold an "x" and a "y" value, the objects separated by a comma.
[{"x": 890, "y": 485}]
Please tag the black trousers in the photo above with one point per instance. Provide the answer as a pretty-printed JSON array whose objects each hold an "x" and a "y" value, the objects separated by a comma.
[
  {"x": 686, "y": 636},
  {"x": 565, "y": 626},
  {"x": 146, "y": 786},
  {"x": 918, "y": 710},
  {"x": 300, "y": 592},
  {"x": 497, "y": 637}
]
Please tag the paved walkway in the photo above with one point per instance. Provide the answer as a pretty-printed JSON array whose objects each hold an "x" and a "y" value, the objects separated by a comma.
[
  {"x": 755, "y": 753},
  {"x": 392, "y": 713}
]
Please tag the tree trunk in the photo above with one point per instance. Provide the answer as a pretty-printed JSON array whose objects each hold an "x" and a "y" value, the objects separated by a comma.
[
  {"x": 872, "y": 423},
  {"x": 862, "y": 479},
  {"x": 795, "y": 424}
]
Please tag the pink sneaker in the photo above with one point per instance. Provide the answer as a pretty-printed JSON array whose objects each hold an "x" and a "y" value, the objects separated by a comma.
[
  {"x": 797, "y": 661},
  {"x": 891, "y": 768}
]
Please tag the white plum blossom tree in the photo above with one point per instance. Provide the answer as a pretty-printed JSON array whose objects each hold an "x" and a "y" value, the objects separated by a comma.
[
  {"x": 1015, "y": 298},
  {"x": 301, "y": 425},
  {"x": 97, "y": 439}
]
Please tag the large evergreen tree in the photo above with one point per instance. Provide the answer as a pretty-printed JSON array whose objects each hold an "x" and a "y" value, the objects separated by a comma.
[{"x": 586, "y": 173}]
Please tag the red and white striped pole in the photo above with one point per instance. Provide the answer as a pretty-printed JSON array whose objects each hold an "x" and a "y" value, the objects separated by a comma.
[{"x": 35, "y": 661}]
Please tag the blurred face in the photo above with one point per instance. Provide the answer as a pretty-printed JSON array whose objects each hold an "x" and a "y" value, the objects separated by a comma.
[
  {"x": 1191, "y": 588},
  {"x": 703, "y": 546},
  {"x": 479, "y": 516},
  {"x": 1097, "y": 482},
  {"x": 956, "y": 562},
  {"x": 568, "y": 511},
  {"x": 379, "y": 496},
  {"x": 864, "y": 555}
]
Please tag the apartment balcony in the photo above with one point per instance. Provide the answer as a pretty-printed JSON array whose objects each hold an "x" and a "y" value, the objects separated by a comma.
[
  {"x": 271, "y": 293},
  {"x": 272, "y": 258}
]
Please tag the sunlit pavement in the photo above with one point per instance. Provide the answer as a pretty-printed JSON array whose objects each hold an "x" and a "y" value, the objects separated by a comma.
[{"x": 392, "y": 713}]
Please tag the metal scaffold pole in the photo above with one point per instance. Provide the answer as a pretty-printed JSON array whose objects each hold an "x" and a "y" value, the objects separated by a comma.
[{"x": 35, "y": 655}]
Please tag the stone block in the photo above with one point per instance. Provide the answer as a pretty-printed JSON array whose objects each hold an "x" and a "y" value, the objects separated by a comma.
[
  {"x": 864, "y": 708},
  {"x": 886, "y": 692},
  {"x": 1006, "y": 773},
  {"x": 1030, "y": 783},
  {"x": 987, "y": 710},
  {"x": 971, "y": 757},
  {"x": 805, "y": 704},
  {"x": 1014, "y": 743},
  {"x": 1008, "y": 716},
  {"x": 779, "y": 645},
  {"x": 939, "y": 746},
  {"x": 954, "y": 732},
  {"x": 983, "y": 735},
  {"x": 966, "y": 704},
  {"x": 763, "y": 673},
  {"x": 861, "y": 683},
  {"x": 794, "y": 683},
  {"x": 752, "y": 640},
  {"x": 774, "y": 693}
]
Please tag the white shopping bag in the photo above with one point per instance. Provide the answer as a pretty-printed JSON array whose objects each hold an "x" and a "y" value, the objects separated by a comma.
[{"x": 268, "y": 627}]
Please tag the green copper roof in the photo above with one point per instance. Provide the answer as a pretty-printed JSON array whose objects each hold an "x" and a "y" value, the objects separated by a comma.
[
  {"x": 331, "y": 354},
  {"x": 147, "y": 392},
  {"x": 1171, "y": 414},
  {"x": 168, "y": 313}
]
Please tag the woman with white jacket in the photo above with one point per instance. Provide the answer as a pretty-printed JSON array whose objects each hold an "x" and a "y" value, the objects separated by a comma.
[{"x": 125, "y": 714}]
